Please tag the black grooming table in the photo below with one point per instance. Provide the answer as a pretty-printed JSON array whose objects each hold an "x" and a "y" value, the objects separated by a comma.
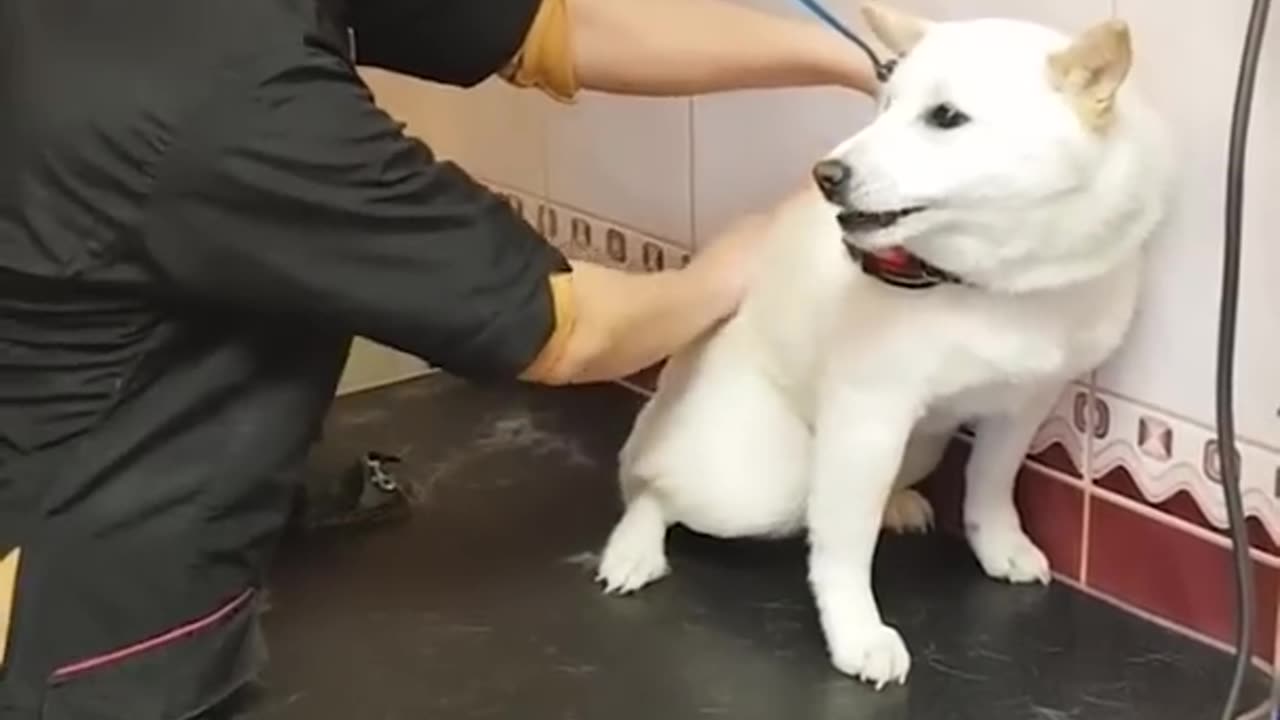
[{"x": 480, "y": 603}]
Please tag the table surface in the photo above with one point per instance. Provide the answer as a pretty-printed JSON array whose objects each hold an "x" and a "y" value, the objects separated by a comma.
[{"x": 480, "y": 604}]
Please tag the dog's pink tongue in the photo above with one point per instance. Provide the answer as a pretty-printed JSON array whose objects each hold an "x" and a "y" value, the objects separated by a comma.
[{"x": 895, "y": 257}]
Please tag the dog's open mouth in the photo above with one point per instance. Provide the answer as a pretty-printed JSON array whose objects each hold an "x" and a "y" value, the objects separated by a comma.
[
  {"x": 859, "y": 221},
  {"x": 893, "y": 264},
  {"x": 895, "y": 257}
]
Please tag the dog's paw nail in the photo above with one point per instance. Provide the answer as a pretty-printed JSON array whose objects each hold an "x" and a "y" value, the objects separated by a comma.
[
  {"x": 623, "y": 573},
  {"x": 1011, "y": 556},
  {"x": 877, "y": 657}
]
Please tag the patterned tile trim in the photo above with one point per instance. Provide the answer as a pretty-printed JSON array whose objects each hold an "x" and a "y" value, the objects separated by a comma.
[
  {"x": 585, "y": 237},
  {"x": 1061, "y": 441},
  {"x": 1174, "y": 465}
]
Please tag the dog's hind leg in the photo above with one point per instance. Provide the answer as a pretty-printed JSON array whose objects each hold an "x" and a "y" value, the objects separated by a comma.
[
  {"x": 635, "y": 554},
  {"x": 722, "y": 454},
  {"x": 909, "y": 511}
]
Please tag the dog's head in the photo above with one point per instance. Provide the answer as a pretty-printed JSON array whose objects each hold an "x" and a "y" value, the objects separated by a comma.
[{"x": 1004, "y": 152}]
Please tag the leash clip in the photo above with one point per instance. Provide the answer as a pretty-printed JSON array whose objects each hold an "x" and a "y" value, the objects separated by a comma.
[{"x": 884, "y": 68}]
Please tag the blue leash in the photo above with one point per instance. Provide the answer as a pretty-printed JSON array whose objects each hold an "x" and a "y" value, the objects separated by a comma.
[{"x": 884, "y": 68}]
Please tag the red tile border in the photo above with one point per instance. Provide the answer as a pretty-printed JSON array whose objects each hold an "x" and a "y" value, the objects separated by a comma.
[
  {"x": 1181, "y": 505},
  {"x": 1052, "y": 513},
  {"x": 1165, "y": 570}
]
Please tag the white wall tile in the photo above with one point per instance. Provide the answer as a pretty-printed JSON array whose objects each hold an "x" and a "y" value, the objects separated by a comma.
[
  {"x": 581, "y": 235},
  {"x": 752, "y": 148},
  {"x": 623, "y": 158},
  {"x": 1069, "y": 17},
  {"x": 370, "y": 365},
  {"x": 1187, "y": 62},
  {"x": 494, "y": 131}
]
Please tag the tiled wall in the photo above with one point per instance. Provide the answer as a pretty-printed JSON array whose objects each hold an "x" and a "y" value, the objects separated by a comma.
[{"x": 1123, "y": 485}]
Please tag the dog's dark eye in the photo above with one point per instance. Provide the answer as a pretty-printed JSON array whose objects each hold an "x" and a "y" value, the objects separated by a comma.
[{"x": 945, "y": 116}]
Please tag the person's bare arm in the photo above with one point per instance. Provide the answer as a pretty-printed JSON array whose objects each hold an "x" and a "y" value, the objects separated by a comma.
[
  {"x": 615, "y": 323},
  {"x": 686, "y": 47}
]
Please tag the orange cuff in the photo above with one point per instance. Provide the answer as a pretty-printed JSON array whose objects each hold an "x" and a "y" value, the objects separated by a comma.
[
  {"x": 546, "y": 60},
  {"x": 8, "y": 594},
  {"x": 547, "y": 366}
]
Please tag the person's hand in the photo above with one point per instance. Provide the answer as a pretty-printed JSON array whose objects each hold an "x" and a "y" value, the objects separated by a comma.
[{"x": 626, "y": 321}]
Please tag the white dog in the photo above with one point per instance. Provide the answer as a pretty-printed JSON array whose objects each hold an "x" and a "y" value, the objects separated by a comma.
[{"x": 960, "y": 259}]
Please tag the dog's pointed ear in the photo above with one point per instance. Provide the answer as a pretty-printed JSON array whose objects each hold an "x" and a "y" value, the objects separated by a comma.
[
  {"x": 1091, "y": 70},
  {"x": 898, "y": 31}
]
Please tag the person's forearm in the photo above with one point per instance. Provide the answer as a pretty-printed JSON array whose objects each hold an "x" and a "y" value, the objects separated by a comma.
[
  {"x": 686, "y": 47},
  {"x": 628, "y": 321}
]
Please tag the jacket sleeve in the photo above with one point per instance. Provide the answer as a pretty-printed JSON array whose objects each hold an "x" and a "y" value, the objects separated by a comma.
[
  {"x": 457, "y": 42},
  {"x": 299, "y": 201}
]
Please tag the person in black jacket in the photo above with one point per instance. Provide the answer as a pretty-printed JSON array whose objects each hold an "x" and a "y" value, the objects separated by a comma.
[{"x": 200, "y": 206}]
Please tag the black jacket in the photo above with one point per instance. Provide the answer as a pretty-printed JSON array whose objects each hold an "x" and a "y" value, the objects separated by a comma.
[{"x": 199, "y": 206}]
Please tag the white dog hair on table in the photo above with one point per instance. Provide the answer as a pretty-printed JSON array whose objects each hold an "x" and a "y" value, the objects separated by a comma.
[{"x": 1010, "y": 181}]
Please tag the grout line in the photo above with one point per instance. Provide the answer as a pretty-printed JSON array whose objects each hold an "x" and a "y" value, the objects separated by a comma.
[
  {"x": 546, "y": 149},
  {"x": 1086, "y": 530},
  {"x": 693, "y": 178},
  {"x": 1181, "y": 525},
  {"x": 1277, "y": 643},
  {"x": 633, "y": 387},
  {"x": 1033, "y": 464},
  {"x": 1086, "y": 462}
]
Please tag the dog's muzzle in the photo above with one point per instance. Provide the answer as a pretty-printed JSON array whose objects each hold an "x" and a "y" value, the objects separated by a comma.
[
  {"x": 834, "y": 178},
  {"x": 896, "y": 265}
]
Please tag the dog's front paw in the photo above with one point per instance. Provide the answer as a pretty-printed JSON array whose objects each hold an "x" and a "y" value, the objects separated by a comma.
[
  {"x": 908, "y": 512},
  {"x": 877, "y": 656},
  {"x": 1010, "y": 555},
  {"x": 631, "y": 560}
]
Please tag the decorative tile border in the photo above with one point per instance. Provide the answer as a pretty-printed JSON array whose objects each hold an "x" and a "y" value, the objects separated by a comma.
[
  {"x": 1062, "y": 441},
  {"x": 1174, "y": 466},
  {"x": 586, "y": 237}
]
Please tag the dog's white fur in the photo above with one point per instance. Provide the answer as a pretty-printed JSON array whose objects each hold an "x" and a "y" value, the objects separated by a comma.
[{"x": 830, "y": 393}]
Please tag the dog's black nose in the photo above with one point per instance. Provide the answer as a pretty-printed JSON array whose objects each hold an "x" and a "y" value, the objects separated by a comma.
[{"x": 832, "y": 177}]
